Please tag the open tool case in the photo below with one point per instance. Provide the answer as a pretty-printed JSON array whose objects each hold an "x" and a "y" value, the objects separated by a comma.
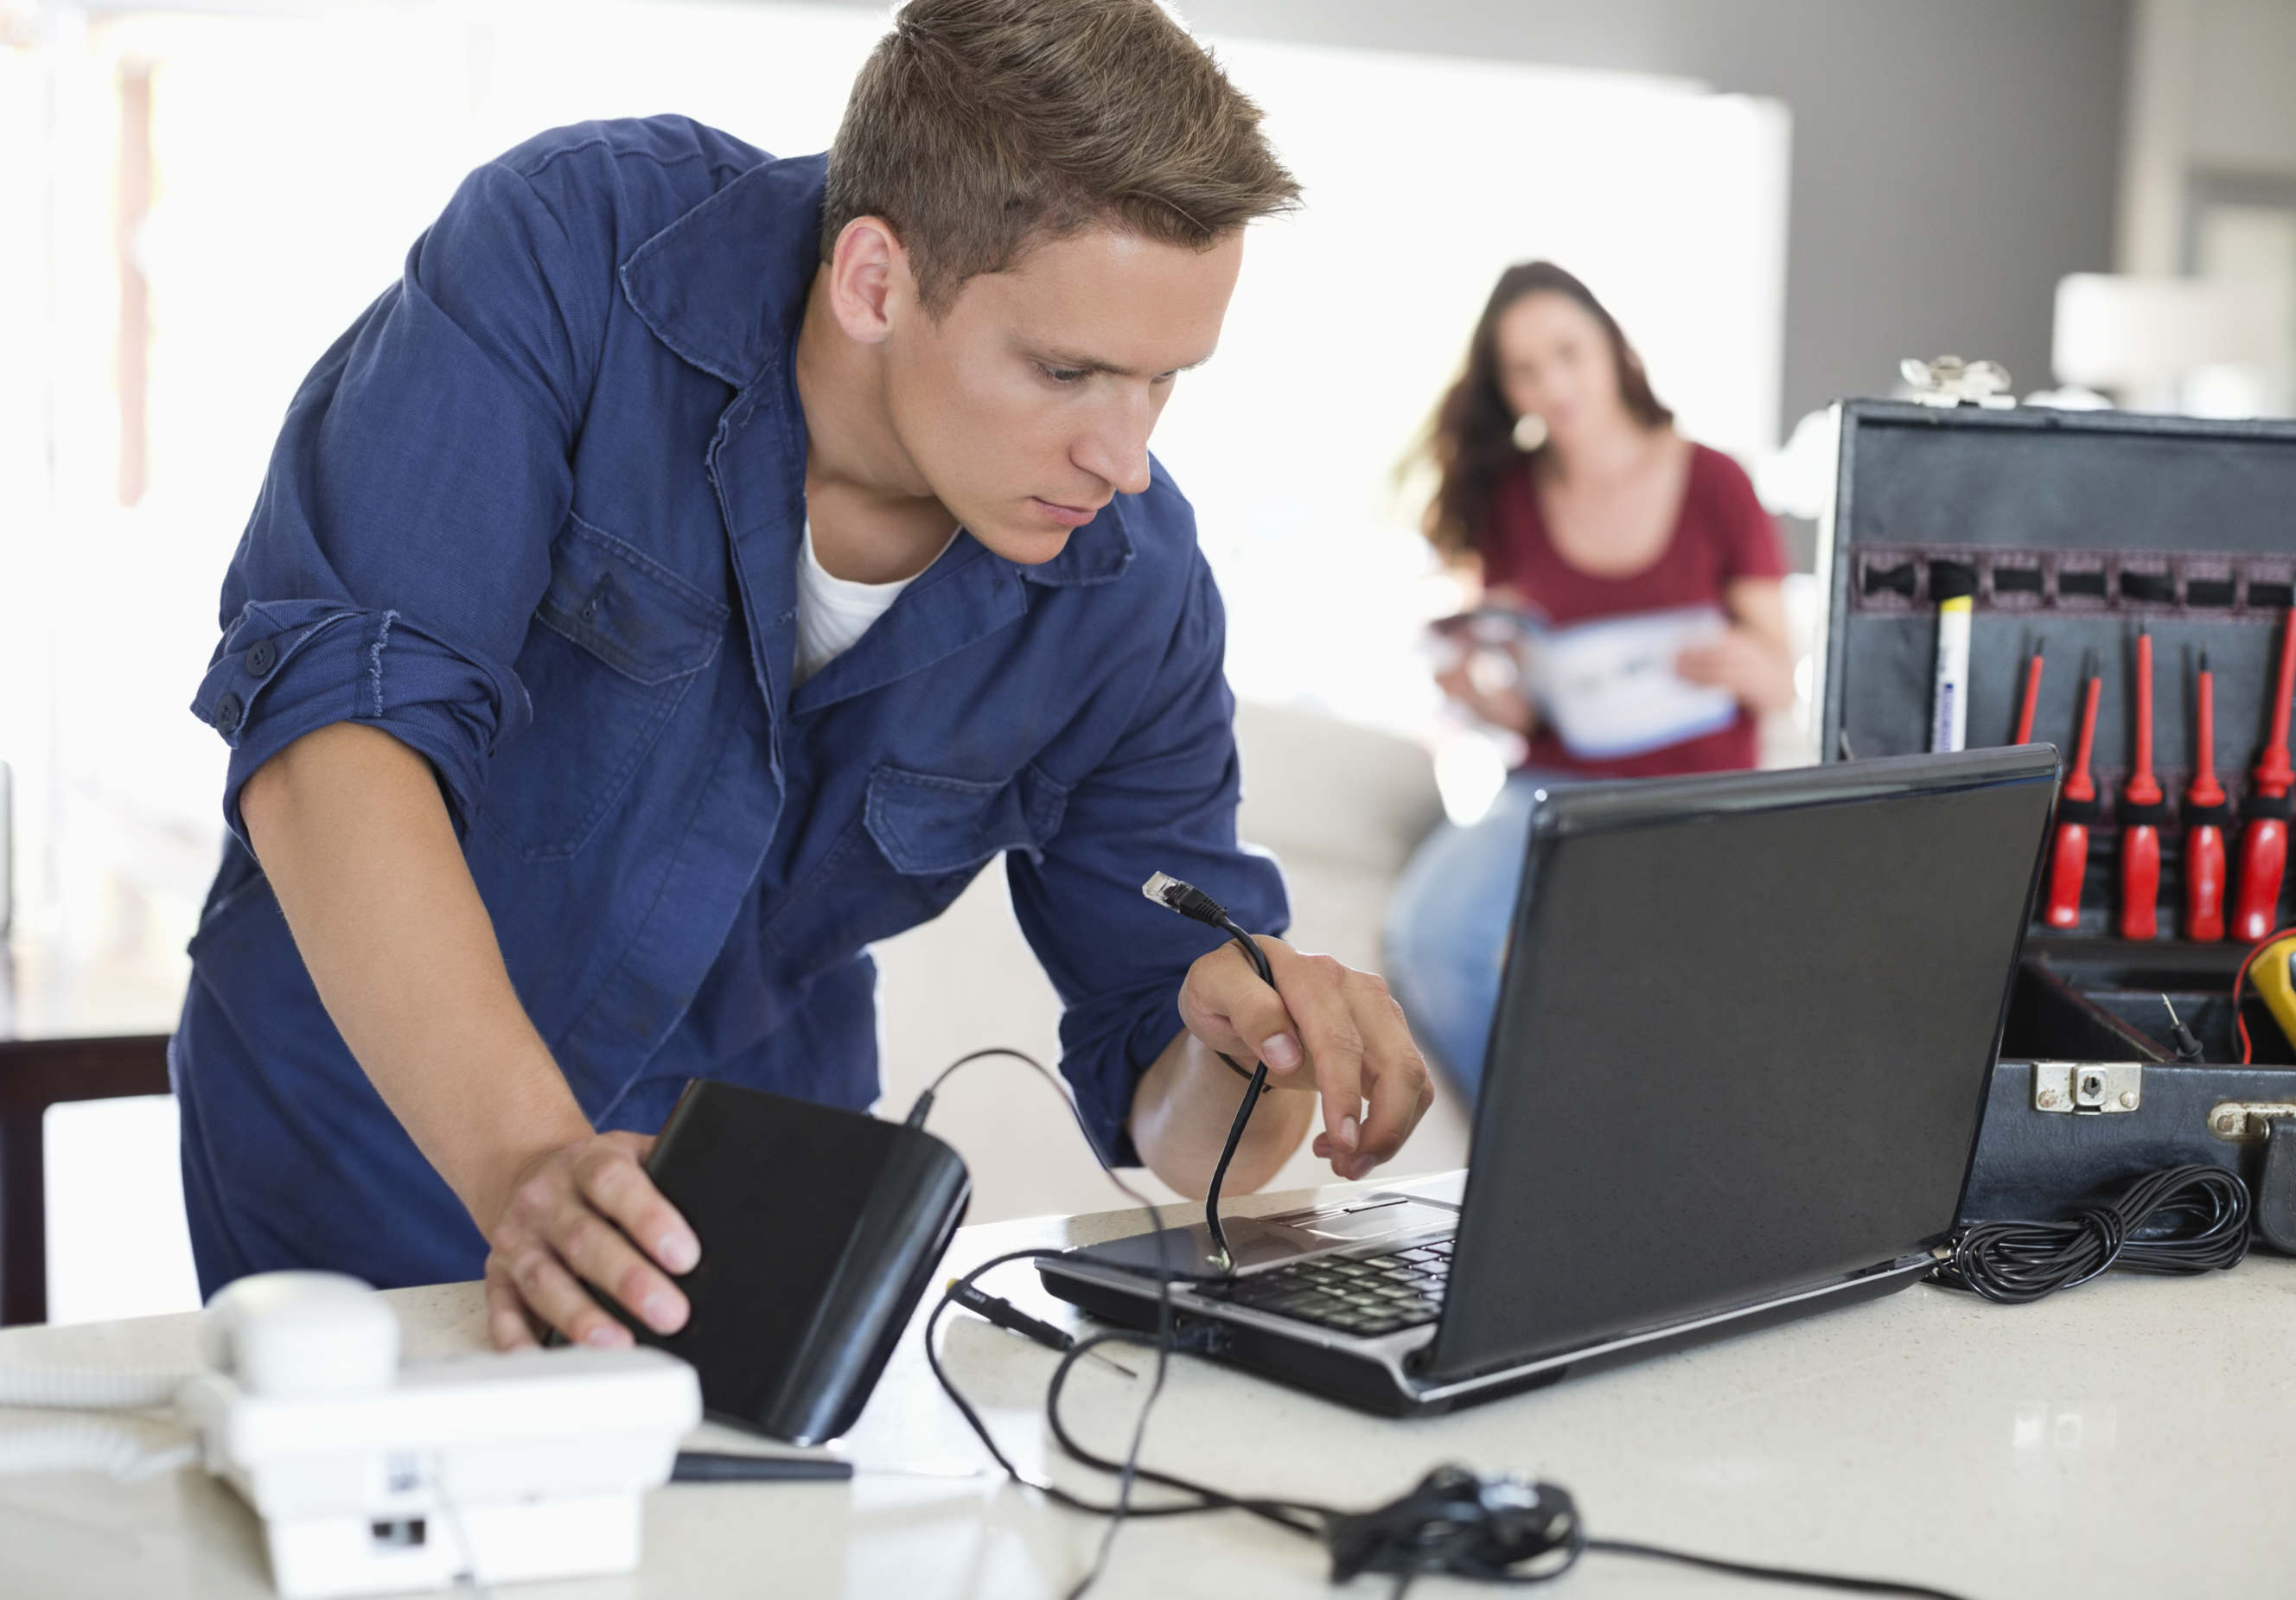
[{"x": 2078, "y": 528}]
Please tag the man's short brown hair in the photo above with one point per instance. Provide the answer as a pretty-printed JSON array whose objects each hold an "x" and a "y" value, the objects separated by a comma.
[{"x": 979, "y": 128}]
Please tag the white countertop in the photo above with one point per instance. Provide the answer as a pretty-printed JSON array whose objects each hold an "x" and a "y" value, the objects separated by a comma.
[{"x": 2129, "y": 1437}]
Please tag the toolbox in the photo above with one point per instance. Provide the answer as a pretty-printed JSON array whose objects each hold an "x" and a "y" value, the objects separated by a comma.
[{"x": 2071, "y": 533}]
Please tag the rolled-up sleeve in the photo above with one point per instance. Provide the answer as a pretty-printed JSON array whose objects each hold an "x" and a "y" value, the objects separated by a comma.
[
  {"x": 402, "y": 538},
  {"x": 1163, "y": 801}
]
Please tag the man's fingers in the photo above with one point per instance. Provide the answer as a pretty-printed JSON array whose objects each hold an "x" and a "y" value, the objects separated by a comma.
[
  {"x": 1262, "y": 1025},
  {"x": 610, "y": 1178},
  {"x": 545, "y": 1283},
  {"x": 507, "y": 1327},
  {"x": 1315, "y": 991},
  {"x": 1351, "y": 1029},
  {"x": 639, "y": 1144},
  {"x": 572, "y": 1218},
  {"x": 595, "y": 1249},
  {"x": 1401, "y": 1091}
]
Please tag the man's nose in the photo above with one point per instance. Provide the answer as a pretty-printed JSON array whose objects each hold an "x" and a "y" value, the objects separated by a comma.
[{"x": 1116, "y": 448}]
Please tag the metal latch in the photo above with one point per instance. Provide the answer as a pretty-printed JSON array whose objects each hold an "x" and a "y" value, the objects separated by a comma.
[
  {"x": 1949, "y": 380},
  {"x": 2088, "y": 1085},
  {"x": 2243, "y": 1122}
]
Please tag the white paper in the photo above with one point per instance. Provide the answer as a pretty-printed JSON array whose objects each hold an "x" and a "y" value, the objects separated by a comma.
[{"x": 1608, "y": 689}]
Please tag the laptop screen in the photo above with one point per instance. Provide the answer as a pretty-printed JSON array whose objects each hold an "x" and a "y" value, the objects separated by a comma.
[{"x": 1743, "y": 1042}]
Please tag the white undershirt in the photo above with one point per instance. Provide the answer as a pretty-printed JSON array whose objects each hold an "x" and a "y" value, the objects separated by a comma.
[{"x": 833, "y": 612}]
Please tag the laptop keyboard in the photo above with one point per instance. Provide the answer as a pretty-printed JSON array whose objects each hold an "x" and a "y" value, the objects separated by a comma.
[{"x": 1365, "y": 1295}]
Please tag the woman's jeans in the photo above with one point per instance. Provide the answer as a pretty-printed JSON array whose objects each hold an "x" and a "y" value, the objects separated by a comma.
[{"x": 1446, "y": 928}]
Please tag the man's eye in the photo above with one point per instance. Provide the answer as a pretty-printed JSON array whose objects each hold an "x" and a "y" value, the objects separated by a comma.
[{"x": 1062, "y": 374}]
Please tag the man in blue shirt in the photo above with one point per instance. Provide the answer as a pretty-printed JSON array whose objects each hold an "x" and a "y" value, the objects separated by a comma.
[{"x": 693, "y": 570}]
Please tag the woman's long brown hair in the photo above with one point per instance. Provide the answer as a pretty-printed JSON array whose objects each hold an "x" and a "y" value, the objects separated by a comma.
[{"x": 1471, "y": 436}]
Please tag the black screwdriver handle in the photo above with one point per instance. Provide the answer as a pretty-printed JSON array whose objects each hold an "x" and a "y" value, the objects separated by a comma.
[{"x": 1005, "y": 1314}]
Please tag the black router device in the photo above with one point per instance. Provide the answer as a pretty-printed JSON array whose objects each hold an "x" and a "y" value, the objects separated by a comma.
[{"x": 820, "y": 1231}]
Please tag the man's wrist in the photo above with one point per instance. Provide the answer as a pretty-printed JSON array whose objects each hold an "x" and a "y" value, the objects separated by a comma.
[{"x": 486, "y": 1179}]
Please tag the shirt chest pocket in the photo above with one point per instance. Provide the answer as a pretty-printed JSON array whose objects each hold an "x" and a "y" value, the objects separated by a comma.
[
  {"x": 614, "y": 647},
  {"x": 923, "y": 837},
  {"x": 929, "y": 826}
]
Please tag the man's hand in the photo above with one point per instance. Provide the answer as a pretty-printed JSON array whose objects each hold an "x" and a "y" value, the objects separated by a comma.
[
  {"x": 568, "y": 1224},
  {"x": 1325, "y": 1028}
]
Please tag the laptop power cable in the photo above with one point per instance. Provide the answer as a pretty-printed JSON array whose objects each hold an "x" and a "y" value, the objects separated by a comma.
[{"x": 1454, "y": 1522}]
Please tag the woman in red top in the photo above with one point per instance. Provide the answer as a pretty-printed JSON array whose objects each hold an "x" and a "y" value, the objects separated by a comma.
[{"x": 1568, "y": 494}]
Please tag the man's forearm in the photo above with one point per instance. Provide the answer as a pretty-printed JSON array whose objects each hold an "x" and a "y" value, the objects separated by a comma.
[
  {"x": 1183, "y": 1108},
  {"x": 349, "y": 827}
]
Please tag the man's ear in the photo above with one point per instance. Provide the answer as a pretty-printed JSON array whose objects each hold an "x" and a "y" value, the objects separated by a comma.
[{"x": 869, "y": 281}]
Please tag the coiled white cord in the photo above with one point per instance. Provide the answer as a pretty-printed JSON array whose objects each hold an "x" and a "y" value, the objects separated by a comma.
[
  {"x": 64, "y": 1389},
  {"x": 85, "y": 1446},
  {"x": 78, "y": 1445}
]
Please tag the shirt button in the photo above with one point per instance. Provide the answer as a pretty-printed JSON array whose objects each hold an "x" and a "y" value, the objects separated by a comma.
[
  {"x": 228, "y": 713},
  {"x": 262, "y": 657}
]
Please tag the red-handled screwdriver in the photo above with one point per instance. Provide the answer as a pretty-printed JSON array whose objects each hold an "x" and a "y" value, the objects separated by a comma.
[
  {"x": 2264, "y": 843},
  {"x": 2076, "y": 810},
  {"x": 2141, "y": 812},
  {"x": 2205, "y": 817},
  {"x": 2032, "y": 697}
]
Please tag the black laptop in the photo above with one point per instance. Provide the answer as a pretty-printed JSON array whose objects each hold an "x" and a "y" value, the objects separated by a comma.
[{"x": 1740, "y": 1050}]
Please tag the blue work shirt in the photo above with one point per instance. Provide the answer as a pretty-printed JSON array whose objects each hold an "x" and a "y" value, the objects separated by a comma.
[{"x": 537, "y": 514}]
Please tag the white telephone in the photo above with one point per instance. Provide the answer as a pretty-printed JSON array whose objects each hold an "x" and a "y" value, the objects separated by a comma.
[{"x": 371, "y": 1477}]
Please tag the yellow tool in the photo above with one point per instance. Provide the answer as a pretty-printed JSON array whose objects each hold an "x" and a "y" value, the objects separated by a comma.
[{"x": 2272, "y": 974}]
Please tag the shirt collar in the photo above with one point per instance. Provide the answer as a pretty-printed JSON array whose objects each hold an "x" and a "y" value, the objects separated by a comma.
[
  {"x": 1097, "y": 552},
  {"x": 724, "y": 285}
]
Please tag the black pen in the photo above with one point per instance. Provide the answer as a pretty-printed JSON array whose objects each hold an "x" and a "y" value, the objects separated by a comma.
[{"x": 718, "y": 1467}]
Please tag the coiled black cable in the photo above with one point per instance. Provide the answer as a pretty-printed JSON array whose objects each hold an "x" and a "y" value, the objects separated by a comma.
[{"x": 2203, "y": 1210}]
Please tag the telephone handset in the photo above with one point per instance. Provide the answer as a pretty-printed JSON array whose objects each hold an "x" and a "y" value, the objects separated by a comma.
[{"x": 301, "y": 1334}]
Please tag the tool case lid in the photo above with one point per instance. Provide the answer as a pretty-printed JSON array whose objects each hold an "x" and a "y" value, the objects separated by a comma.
[{"x": 2080, "y": 526}]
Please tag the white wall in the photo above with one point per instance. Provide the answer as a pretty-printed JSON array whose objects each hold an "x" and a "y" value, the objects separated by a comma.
[
  {"x": 2211, "y": 94},
  {"x": 1952, "y": 159},
  {"x": 2244, "y": 75},
  {"x": 2208, "y": 181}
]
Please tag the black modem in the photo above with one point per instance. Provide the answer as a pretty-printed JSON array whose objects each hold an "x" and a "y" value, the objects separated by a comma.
[{"x": 820, "y": 1231}]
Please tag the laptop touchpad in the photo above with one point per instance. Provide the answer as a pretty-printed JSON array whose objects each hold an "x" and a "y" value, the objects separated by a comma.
[
  {"x": 1264, "y": 1241},
  {"x": 1366, "y": 1217}
]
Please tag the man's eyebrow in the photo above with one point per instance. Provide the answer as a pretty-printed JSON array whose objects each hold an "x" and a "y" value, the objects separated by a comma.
[{"x": 1066, "y": 361}]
